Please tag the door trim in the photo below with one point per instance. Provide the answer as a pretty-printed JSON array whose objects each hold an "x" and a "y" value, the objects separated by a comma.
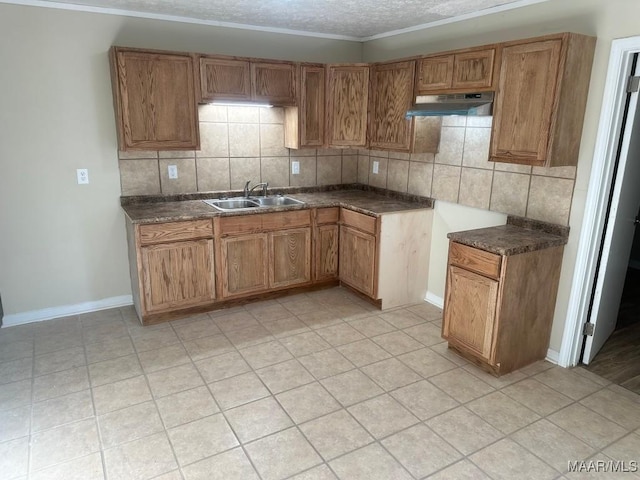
[{"x": 600, "y": 184}]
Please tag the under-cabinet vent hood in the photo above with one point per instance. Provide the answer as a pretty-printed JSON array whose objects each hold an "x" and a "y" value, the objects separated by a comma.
[{"x": 454, "y": 104}]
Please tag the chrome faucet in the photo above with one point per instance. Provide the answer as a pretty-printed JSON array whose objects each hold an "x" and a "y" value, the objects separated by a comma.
[{"x": 247, "y": 190}]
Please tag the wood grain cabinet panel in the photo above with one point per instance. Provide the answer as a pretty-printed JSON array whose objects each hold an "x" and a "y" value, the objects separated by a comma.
[
  {"x": 326, "y": 251},
  {"x": 290, "y": 257},
  {"x": 358, "y": 259},
  {"x": 244, "y": 264},
  {"x": 434, "y": 73},
  {"x": 274, "y": 82},
  {"x": 224, "y": 79},
  {"x": 473, "y": 70},
  {"x": 155, "y": 100},
  {"x": 541, "y": 100},
  {"x": 305, "y": 123},
  {"x": 464, "y": 70},
  {"x": 177, "y": 275},
  {"x": 348, "y": 98}
]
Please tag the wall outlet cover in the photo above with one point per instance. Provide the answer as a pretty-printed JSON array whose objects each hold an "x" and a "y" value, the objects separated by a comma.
[
  {"x": 295, "y": 168},
  {"x": 83, "y": 176},
  {"x": 376, "y": 166},
  {"x": 173, "y": 171}
]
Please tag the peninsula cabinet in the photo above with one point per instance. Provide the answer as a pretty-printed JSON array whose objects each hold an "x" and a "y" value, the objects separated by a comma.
[
  {"x": 154, "y": 100},
  {"x": 172, "y": 266},
  {"x": 305, "y": 123},
  {"x": 470, "y": 70},
  {"x": 541, "y": 100},
  {"x": 498, "y": 309},
  {"x": 347, "y": 104}
]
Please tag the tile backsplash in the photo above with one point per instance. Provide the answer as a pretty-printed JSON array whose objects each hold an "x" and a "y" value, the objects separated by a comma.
[{"x": 247, "y": 143}]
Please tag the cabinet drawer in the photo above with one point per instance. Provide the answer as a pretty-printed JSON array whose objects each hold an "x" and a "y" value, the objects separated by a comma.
[
  {"x": 169, "y": 232},
  {"x": 359, "y": 221},
  {"x": 474, "y": 259},
  {"x": 327, "y": 215},
  {"x": 263, "y": 222}
]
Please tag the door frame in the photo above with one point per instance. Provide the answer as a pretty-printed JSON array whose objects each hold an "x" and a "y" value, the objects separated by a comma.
[{"x": 600, "y": 184}]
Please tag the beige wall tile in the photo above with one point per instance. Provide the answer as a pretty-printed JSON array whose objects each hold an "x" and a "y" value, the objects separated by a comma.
[
  {"x": 475, "y": 188},
  {"x": 213, "y": 174},
  {"x": 303, "y": 152},
  {"x": 398, "y": 176},
  {"x": 328, "y": 152},
  {"x": 446, "y": 183},
  {"x": 379, "y": 153},
  {"x": 244, "y": 140},
  {"x": 349, "y": 168},
  {"x": 420, "y": 178},
  {"x": 271, "y": 115},
  {"x": 454, "y": 121},
  {"x": 137, "y": 154},
  {"x": 423, "y": 157},
  {"x": 378, "y": 179},
  {"x": 139, "y": 177},
  {"x": 212, "y": 113},
  {"x": 241, "y": 114},
  {"x": 363, "y": 169},
  {"x": 214, "y": 140},
  {"x": 509, "y": 193},
  {"x": 511, "y": 167},
  {"x": 307, "y": 176},
  {"x": 177, "y": 154},
  {"x": 272, "y": 141},
  {"x": 480, "y": 121},
  {"x": 275, "y": 171},
  {"x": 400, "y": 155},
  {"x": 186, "y": 181},
  {"x": 329, "y": 170},
  {"x": 243, "y": 170},
  {"x": 451, "y": 146},
  {"x": 476, "y": 148},
  {"x": 559, "y": 172},
  {"x": 550, "y": 199}
]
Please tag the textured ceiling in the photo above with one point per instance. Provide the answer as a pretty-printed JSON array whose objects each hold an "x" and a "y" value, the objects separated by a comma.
[{"x": 345, "y": 18}]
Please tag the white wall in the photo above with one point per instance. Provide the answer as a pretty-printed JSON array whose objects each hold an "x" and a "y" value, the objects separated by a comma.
[
  {"x": 607, "y": 20},
  {"x": 63, "y": 243}
]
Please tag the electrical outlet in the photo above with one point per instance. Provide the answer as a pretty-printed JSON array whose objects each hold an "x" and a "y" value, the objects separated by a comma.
[
  {"x": 83, "y": 176},
  {"x": 295, "y": 168},
  {"x": 173, "y": 171},
  {"x": 376, "y": 166}
]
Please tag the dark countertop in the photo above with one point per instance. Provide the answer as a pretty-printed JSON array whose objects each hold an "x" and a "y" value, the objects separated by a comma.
[
  {"x": 518, "y": 236},
  {"x": 369, "y": 201}
]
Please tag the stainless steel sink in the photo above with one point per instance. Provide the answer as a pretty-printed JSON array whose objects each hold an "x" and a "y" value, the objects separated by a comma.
[{"x": 248, "y": 203}]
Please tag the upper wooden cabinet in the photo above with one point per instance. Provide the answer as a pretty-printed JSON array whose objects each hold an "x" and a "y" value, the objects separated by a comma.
[
  {"x": 305, "y": 123},
  {"x": 391, "y": 97},
  {"x": 541, "y": 99},
  {"x": 348, "y": 98},
  {"x": 154, "y": 99},
  {"x": 466, "y": 70},
  {"x": 224, "y": 79},
  {"x": 274, "y": 82}
]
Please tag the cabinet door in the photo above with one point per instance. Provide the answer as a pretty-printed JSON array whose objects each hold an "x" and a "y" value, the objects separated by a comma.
[
  {"x": 178, "y": 274},
  {"x": 348, "y": 91},
  {"x": 290, "y": 257},
  {"x": 391, "y": 97},
  {"x": 473, "y": 70},
  {"x": 155, "y": 101},
  {"x": 244, "y": 267},
  {"x": 326, "y": 252},
  {"x": 434, "y": 73},
  {"x": 470, "y": 311},
  {"x": 357, "y": 259},
  {"x": 222, "y": 79},
  {"x": 273, "y": 82},
  {"x": 525, "y": 102},
  {"x": 312, "y": 106}
]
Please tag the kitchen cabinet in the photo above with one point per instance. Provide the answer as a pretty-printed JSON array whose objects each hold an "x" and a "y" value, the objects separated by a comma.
[
  {"x": 263, "y": 252},
  {"x": 274, "y": 82},
  {"x": 305, "y": 123},
  {"x": 470, "y": 70},
  {"x": 498, "y": 309},
  {"x": 347, "y": 104},
  {"x": 358, "y": 259},
  {"x": 224, "y": 79},
  {"x": 154, "y": 100},
  {"x": 172, "y": 266},
  {"x": 541, "y": 100},
  {"x": 326, "y": 242}
]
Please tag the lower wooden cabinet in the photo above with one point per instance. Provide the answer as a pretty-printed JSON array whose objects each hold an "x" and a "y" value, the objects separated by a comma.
[
  {"x": 358, "y": 259},
  {"x": 289, "y": 257},
  {"x": 498, "y": 309},
  {"x": 326, "y": 252},
  {"x": 244, "y": 264}
]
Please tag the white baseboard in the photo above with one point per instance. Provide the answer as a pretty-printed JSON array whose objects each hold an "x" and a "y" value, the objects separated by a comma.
[
  {"x": 553, "y": 356},
  {"x": 65, "y": 310},
  {"x": 434, "y": 299}
]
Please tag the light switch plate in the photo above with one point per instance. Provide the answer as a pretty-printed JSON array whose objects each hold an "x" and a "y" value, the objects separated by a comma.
[
  {"x": 173, "y": 171},
  {"x": 376, "y": 166},
  {"x": 295, "y": 168},
  {"x": 83, "y": 176}
]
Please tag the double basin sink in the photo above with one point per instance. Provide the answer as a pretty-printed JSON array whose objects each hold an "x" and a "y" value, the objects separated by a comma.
[{"x": 249, "y": 203}]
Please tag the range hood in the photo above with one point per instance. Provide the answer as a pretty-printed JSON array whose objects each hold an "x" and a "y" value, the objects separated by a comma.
[{"x": 477, "y": 104}]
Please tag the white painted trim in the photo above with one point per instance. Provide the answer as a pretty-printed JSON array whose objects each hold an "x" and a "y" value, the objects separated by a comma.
[
  {"x": 434, "y": 299},
  {"x": 65, "y": 310},
  {"x": 597, "y": 196},
  {"x": 553, "y": 356}
]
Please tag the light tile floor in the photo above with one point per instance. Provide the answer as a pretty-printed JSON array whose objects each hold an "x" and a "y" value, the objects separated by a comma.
[{"x": 314, "y": 386}]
